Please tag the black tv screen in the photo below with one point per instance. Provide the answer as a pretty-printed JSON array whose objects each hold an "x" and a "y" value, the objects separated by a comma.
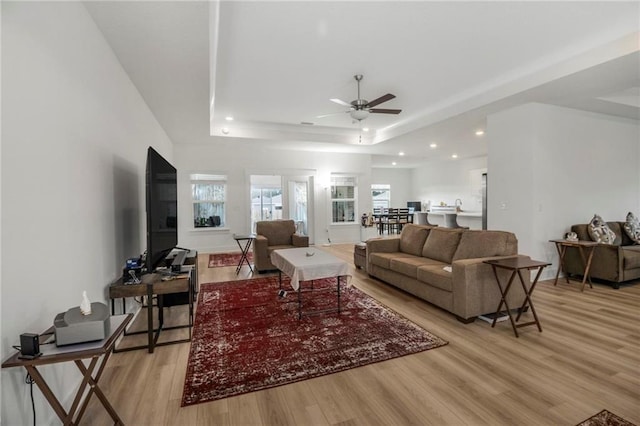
[
  {"x": 416, "y": 205},
  {"x": 162, "y": 209}
]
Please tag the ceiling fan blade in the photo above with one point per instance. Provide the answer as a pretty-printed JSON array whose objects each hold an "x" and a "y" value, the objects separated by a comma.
[
  {"x": 340, "y": 102},
  {"x": 385, "y": 111},
  {"x": 330, "y": 114},
  {"x": 381, "y": 99}
]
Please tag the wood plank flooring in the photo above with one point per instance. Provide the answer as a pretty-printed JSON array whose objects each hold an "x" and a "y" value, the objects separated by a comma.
[{"x": 586, "y": 359}]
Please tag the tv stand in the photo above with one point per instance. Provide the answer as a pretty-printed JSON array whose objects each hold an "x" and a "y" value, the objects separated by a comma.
[{"x": 159, "y": 285}]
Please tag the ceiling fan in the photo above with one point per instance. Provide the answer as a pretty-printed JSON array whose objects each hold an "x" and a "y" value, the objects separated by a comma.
[{"x": 361, "y": 108}]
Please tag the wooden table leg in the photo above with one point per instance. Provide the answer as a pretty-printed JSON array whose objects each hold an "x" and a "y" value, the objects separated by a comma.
[
  {"x": 562, "y": 249},
  {"x": 503, "y": 300},
  {"x": 527, "y": 300},
  {"x": 94, "y": 388},
  {"x": 587, "y": 266},
  {"x": 46, "y": 391},
  {"x": 150, "y": 317}
]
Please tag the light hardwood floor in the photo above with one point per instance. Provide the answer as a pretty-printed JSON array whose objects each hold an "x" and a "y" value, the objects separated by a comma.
[{"x": 586, "y": 359}]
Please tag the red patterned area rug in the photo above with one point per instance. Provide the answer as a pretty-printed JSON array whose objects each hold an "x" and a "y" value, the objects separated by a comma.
[
  {"x": 605, "y": 418},
  {"x": 246, "y": 338},
  {"x": 217, "y": 260}
]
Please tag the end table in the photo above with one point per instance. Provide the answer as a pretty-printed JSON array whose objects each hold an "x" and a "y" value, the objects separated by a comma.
[
  {"x": 581, "y": 245},
  {"x": 516, "y": 265},
  {"x": 244, "y": 249}
]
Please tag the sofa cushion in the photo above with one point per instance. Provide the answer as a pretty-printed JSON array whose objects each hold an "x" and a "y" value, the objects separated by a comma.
[
  {"x": 384, "y": 259},
  {"x": 441, "y": 244},
  {"x": 436, "y": 276},
  {"x": 412, "y": 239},
  {"x": 632, "y": 227},
  {"x": 409, "y": 265},
  {"x": 631, "y": 255},
  {"x": 475, "y": 244},
  {"x": 600, "y": 232}
]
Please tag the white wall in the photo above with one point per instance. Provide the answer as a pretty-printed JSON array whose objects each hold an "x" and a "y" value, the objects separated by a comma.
[
  {"x": 552, "y": 167},
  {"x": 444, "y": 181},
  {"x": 240, "y": 158},
  {"x": 74, "y": 138},
  {"x": 400, "y": 181}
]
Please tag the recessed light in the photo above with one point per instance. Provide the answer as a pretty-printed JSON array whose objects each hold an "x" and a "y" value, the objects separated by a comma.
[
  {"x": 393, "y": 163},
  {"x": 225, "y": 130},
  {"x": 365, "y": 129},
  {"x": 433, "y": 145},
  {"x": 401, "y": 153},
  {"x": 479, "y": 132},
  {"x": 454, "y": 155},
  {"x": 229, "y": 118}
]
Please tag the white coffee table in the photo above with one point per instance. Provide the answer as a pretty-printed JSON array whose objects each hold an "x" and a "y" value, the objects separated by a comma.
[{"x": 308, "y": 264}]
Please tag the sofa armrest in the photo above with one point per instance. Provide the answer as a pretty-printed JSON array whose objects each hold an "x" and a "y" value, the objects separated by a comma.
[
  {"x": 300, "y": 240},
  {"x": 475, "y": 290},
  {"x": 383, "y": 245},
  {"x": 261, "y": 253}
]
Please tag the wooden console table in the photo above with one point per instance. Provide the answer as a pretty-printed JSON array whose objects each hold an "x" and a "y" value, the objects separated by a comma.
[
  {"x": 154, "y": 285},
  {"x": 581, "y": 245},
  {"x": 97, "y": 352}
]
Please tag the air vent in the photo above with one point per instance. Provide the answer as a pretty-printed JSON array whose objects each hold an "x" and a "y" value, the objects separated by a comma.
[{"x": 307, "y": 123}]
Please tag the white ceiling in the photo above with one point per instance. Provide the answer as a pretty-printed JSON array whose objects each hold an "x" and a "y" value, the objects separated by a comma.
[{"x": 274, "y": 65}]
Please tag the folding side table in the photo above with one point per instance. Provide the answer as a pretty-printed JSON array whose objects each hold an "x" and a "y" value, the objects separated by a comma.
[
  {"x": 97, "y": 352},
  {"x": 581, "y": 245},
  {"x": 244, "y": 249},
  {"x": 516, "y": 265}
]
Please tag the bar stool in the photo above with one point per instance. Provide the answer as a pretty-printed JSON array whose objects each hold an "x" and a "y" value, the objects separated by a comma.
[{"x": 450, "y": 221}]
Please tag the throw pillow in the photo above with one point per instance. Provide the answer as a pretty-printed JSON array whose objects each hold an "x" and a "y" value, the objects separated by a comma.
[
  {"x": 600, "y": 232},
  {"x": 632, "y": 227}
]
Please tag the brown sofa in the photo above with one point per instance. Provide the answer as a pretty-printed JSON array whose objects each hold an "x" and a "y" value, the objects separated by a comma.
[
  {"x": 273, "y": 235},
  {"x": 614, "y": 263},
  {"x": 414, "y": 262}
]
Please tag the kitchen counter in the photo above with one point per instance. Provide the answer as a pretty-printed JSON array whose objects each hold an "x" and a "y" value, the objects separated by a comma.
[{"x": 472, "y": 219}]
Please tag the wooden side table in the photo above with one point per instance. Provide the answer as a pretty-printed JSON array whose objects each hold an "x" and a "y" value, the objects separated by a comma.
[
  {"x": 516, "y": 265},
  {"x": 97, "y": 352},
  {"x": 153, "y": 285},
  {"x": 581, "y": 245}
]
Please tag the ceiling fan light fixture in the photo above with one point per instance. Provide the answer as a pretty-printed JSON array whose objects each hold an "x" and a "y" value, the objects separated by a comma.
[{"x": 359, "y": 114}]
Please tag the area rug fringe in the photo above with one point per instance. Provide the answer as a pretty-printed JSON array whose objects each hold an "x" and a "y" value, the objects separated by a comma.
[{"x": 246, "y": 338}]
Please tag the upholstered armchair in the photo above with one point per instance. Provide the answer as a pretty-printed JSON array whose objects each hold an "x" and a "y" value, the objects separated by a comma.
[{"x": 273, "y": 235}]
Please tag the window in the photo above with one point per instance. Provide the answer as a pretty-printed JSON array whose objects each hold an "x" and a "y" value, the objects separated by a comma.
[
  {"x": 381, "y": 196},
  {"x": 209, "y": 194},
  {"x": 343, "y": 198}
]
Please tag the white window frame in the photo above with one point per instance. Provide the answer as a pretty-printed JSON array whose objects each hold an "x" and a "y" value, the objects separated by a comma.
[
  {"x": 344, "y": 180},
  {"x": 212, "y": 179}
]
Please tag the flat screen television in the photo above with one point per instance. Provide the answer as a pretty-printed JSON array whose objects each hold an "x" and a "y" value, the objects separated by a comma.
[
  {"x": 162, "y": 209},
  {"x": 415, "y": 205}
]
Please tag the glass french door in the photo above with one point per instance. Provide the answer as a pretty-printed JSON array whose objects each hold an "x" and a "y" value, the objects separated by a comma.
[
  {"x": 281, "y": 197},
  {"x": 298, "y": 201}
]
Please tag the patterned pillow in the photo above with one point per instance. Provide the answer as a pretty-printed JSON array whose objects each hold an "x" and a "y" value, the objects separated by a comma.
[
  {"x": 632, "y": 227},
  {"x": 599, "y": 231}
]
